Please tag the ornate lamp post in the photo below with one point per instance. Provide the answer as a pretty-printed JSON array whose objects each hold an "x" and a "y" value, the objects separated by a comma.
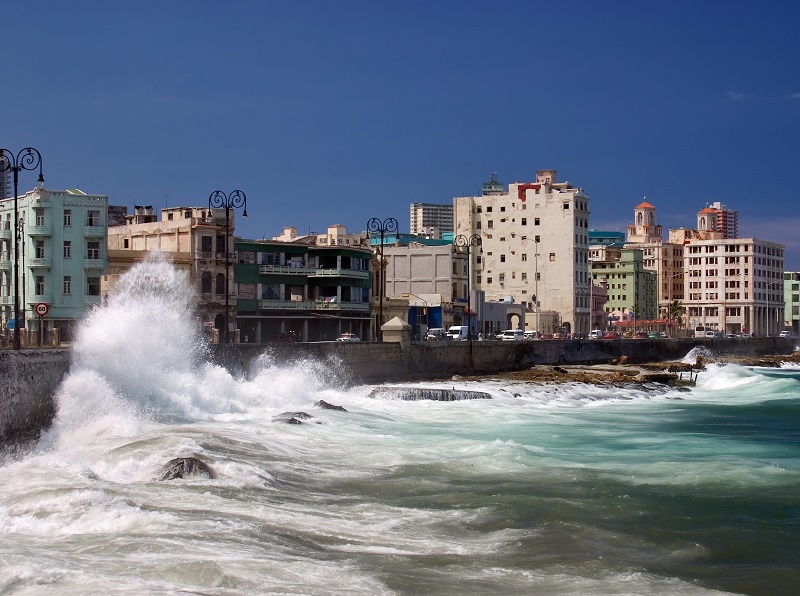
[
  {"x": 376, "y": 226},
  {"x": 462, "y": 241},
  {"x": 219, "y": 200},
  {"x": 27, "y": 159}
]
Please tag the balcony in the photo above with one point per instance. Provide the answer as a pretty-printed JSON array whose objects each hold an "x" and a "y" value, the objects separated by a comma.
[
  {"x": 40, "y": 263},
  {"x": 285, "y": 270},
  {"x": 94, "y": 264},
  {"x": 313, "y": 306},
  {"x": 6, "y": 232},
  {"x": 38, "y": 231},
  {"x": 94, "y": 232},
  {"x": 5, "y": 264},
  {"x": 352, "y": 273}
]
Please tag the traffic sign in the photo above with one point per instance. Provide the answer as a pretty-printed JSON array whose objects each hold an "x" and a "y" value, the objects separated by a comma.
[{"x": 41, "y": 309}]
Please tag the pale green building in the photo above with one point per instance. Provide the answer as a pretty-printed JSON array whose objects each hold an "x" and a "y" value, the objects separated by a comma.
[
  {"x": 630, "y": 285},
  {"x": 62, "y": 256}
]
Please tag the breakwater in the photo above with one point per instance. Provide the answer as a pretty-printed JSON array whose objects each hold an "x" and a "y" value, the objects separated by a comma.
[{"x": 29, "y": 378}]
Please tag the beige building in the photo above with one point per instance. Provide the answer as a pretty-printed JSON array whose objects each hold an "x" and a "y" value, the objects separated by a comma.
[
  {"x": 430, "y": 220},
  {"x": 336, "y": 235},
  {"x": 534, "y": 247},
  {"x": 734, "y": 285},
  {"x": 665, "y": 258},
  {"x": 194, "y": 238}
]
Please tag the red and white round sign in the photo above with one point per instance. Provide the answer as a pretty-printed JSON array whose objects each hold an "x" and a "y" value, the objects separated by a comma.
[{"x": 41, "y": 309}]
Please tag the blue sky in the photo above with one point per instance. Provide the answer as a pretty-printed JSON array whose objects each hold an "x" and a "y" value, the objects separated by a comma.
[{"x": 336, "y": 112}]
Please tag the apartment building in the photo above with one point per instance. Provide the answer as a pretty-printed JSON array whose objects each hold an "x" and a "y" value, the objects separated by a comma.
[
  {"x": 665, "y": 258},
  {"x": 791, "y": 300},
  {"x": 534, "y": 247},
  {"x": 297, "y": 291},
  {"x": 335, "y": 235},
  {"x": 430, "y": 219},
  {"x": 630, "y": 286},
  {"x": 734, "y": 285},
  {"x": 716, "y": 217},
  {"x": 194, "y": 238},
  {"x": 62, "y": 257}
]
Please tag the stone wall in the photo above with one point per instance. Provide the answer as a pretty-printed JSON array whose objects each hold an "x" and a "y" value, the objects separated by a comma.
[
  {"x": 30, "y": 378},
  {"x": 28, "y": 382}
]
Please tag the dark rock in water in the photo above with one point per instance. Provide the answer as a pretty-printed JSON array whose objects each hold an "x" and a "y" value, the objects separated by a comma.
[
  {"x": 292, "y": 417},
  {"x": 418, "y": 393},
  {"x": 560, "y": 369},
  {"x": 326, "y": 406},
  {"x": 186, "y": 467}
]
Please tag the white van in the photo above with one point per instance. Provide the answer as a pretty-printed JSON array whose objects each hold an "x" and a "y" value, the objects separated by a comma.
[
  {"x": 596, "y": 334},
  {"x": 531, "y": 335},
  {"x": 512, "y": 335},
  {"x": 458, "y": 332},
  {"x": 703, "y": 332}
]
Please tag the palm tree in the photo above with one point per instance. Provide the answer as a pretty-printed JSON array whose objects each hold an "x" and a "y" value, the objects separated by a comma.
[{"x": 675, "y": 311}]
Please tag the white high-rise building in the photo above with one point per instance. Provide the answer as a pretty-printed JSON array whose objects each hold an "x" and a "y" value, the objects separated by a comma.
[
  {"x": 533, "y": 249},
  {"x": 429, "y": 219}
]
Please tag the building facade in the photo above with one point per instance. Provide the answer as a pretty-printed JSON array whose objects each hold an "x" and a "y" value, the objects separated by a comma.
[
  {"x": 62, "y": 258},
  {"x": 294, "y": 291},
  {"x": 534, "y": 248},
  {"x": 430, "y": 219},
  {"x": 195, "y": 239},
  {"x": 734, "y": 285},
  {"x": 631, "y": 288},
  {"x": 716, "y": 217},
  {"x": 791, "y": 300}
]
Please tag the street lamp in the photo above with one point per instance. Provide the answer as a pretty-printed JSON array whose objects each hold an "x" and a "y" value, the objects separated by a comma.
[
  {"x": 375, "y": 225},
  {"x": 27, "y": 159},
  {"x": 218, "y": 200},
  {"x": 462, "y": 241}
]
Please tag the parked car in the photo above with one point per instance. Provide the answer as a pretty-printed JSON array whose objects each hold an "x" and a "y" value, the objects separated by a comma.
[
  {"x": 640, "y": 335},
  {"x": 512, "y": 335},
  {"x": 654, "y": 335},
  {"x": 347, "y": 336},
  {"x": 596, "y": 334},
  {"x": 558, "y": 336},
  {"x": 611, "y": 335},
  {"x": 545, "y": 336},
  {"x": 531, "y": 335},
  {"x": 458, "y": 332},
  {"x": 785, "y": 333}
]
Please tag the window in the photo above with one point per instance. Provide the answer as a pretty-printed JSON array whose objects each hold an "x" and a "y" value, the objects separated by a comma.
[
  {"x": 566, "y": 205},
  {"x": 537, "y": 238},
  {"x": 93, "y": 250},
  {"x": 206, "y": 244},
  {"x": 524, "y": 221},
  {"x": 488, "y": 210},
  {"x": 40, "y": 249},
  {"x": 536, "y": 221},
  {"x": 40, "y": 285},
  {"x": 524, "y": 276},
  {"x": 92, "y": 218},
  {"x": 92, "y": 286},
  {"x": 502, "y": 208},
  {"x": 187, "y": 214},
  {"x": 67, "y": 284},
  {"x": 67, "y": 249},
  {"x": 552, "y": 256},
  {"x": 67, "y": 217},
  {"x": 221, "y": 244},
  {"x": 501, "y": 278},
  {"x": 205, "y": 283},
  {"x": 489, "y": 280},
  {"x": 169, "y": 216},
  {"x": 271, "y": 292},
  {"x": 524, "y": 256},
  {"x": 126, "y": 243},
  {"x": 39, "y": 217},
  {"x": 220, "y": 285},
  {"x": 490, "y": 224},
  {"x": 502, "y": 258}
]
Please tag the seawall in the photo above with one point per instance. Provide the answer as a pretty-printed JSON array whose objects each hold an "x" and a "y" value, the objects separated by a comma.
[{"x": 29, "y": 378}]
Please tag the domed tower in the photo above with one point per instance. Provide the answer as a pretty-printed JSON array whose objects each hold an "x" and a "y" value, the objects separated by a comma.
[{"x": 644, "y": 227}]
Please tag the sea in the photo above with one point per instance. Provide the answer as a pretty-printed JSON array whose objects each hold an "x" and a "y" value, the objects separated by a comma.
[{"x": 540, "y": 489}]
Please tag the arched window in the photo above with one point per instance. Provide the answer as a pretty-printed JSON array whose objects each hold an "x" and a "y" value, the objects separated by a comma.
[
  {"x": 205, "y": 283},
  {"x": 702, "y": 223},
  {"x": 652, "y": 218},
  {"x": 639, "y": 218},
  {"x": 220, "y": 284}
]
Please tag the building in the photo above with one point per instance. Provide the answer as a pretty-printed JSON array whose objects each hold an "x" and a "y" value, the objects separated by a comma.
[
  {"x": 534, "y": 248},
  {"x": 718, "y": 218},
  {"x": 430, "y": 219},
  {"x": 5, "y": 185},
  {"x": 604, "y": 238},
  {"x": 734, "y": 285},
  {"x": 665, "y": 258},
  {"x": 791, "y": 299},
  {"x": 61, "y": 260},
  {"x": 336, "y": 235},
  {"x": 195, "y": 239},
  {"x": 630, "y": 286},
  {"x": 298, "y": 291}
]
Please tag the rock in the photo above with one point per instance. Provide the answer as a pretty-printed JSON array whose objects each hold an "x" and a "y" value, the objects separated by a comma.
[
  {"x": 560, "y": 369},
  {"x": 291, "y": 417},
  {"x": 186, "y": 467},
  {"x": 326, "y": 406}
]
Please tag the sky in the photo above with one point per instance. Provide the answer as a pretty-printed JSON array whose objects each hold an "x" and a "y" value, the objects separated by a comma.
[{"x": 335, "y": 112}]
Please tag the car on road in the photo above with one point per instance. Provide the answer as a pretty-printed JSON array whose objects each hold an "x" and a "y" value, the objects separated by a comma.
[
  {"x": 512, "y": 335},
  {"x": 611, "y": 335},
  {"x": 347, "y": 336}
]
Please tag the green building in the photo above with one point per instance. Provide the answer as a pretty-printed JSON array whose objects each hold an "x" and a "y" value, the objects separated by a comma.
[
  {"x": 791, "y": 299},
  {"x": 630, "y": 285},
  {"x": 300, "y": 292}
]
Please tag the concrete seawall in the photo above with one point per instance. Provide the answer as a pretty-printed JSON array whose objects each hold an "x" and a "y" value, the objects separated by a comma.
[{"x": 29, "y": 378}]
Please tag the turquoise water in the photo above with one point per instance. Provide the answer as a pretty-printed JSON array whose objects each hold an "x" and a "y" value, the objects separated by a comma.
[{"x": 570, "y": 489}]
